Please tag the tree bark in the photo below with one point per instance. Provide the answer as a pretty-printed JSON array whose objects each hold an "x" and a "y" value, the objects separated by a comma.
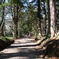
[
  {"x": 52, "y": 17},
  {"x": 48, "y": 31},
  {"x": 51, "y": 22},
  {"x": 15, "y": 19},
  {"x": 2, "y": 28},
  {"x": 15, "y": 31},
  {"x": 39, "y": 17}
]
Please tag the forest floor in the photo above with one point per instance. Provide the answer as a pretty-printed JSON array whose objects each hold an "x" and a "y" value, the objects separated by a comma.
[{"x": 23, "y": 48}]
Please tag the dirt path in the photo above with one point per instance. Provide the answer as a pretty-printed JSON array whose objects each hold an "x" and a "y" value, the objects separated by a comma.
[{"x": 22, "y": 49}]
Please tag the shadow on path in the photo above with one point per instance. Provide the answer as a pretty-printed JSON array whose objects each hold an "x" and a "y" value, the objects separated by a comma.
[{"x": 29, "y": 53}]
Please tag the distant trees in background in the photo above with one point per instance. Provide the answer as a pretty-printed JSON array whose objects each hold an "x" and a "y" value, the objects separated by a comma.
[{"x": 31, "y": 18}]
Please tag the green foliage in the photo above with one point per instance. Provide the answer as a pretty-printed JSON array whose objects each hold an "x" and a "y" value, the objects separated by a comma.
[
  {"x": 9, "y": 34},
  {"x": 3, "y": 38},
  {"x": 28, "y": 23},
  {"x": 16, "y": 2},
  {"x": 11, "y": 2}
]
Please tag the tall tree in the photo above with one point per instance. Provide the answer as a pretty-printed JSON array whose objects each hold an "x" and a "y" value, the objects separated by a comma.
[
  {"x": 39, "y": 16},
  {"x": 51, "y": 21},
  {"x": 52, "y": 17},
  {"x": 2, "y": 22},
  {"x": 16, "y": 5}
]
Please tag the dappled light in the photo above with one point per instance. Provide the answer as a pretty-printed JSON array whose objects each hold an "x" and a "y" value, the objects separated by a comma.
[{"x": 29, "y": 29}]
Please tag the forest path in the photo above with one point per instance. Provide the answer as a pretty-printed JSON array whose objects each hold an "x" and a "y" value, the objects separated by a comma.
[{"x": 23, "y": 48}]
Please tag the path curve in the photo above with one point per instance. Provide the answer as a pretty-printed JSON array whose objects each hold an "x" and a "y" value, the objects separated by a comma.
[{"x": 22, "y": 49}]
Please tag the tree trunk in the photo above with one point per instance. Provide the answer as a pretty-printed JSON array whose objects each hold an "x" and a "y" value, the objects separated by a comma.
[
  {"x": 2, "y": 28},
  {"x": 51, "y": 22},
  {"x": 52, "y": 17},
  {"x": 15, "y": 19},
  {"x": 48, "y": 29},
  {"x": 39, "y": 17},
  {"x": 15, "y": 31}
]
